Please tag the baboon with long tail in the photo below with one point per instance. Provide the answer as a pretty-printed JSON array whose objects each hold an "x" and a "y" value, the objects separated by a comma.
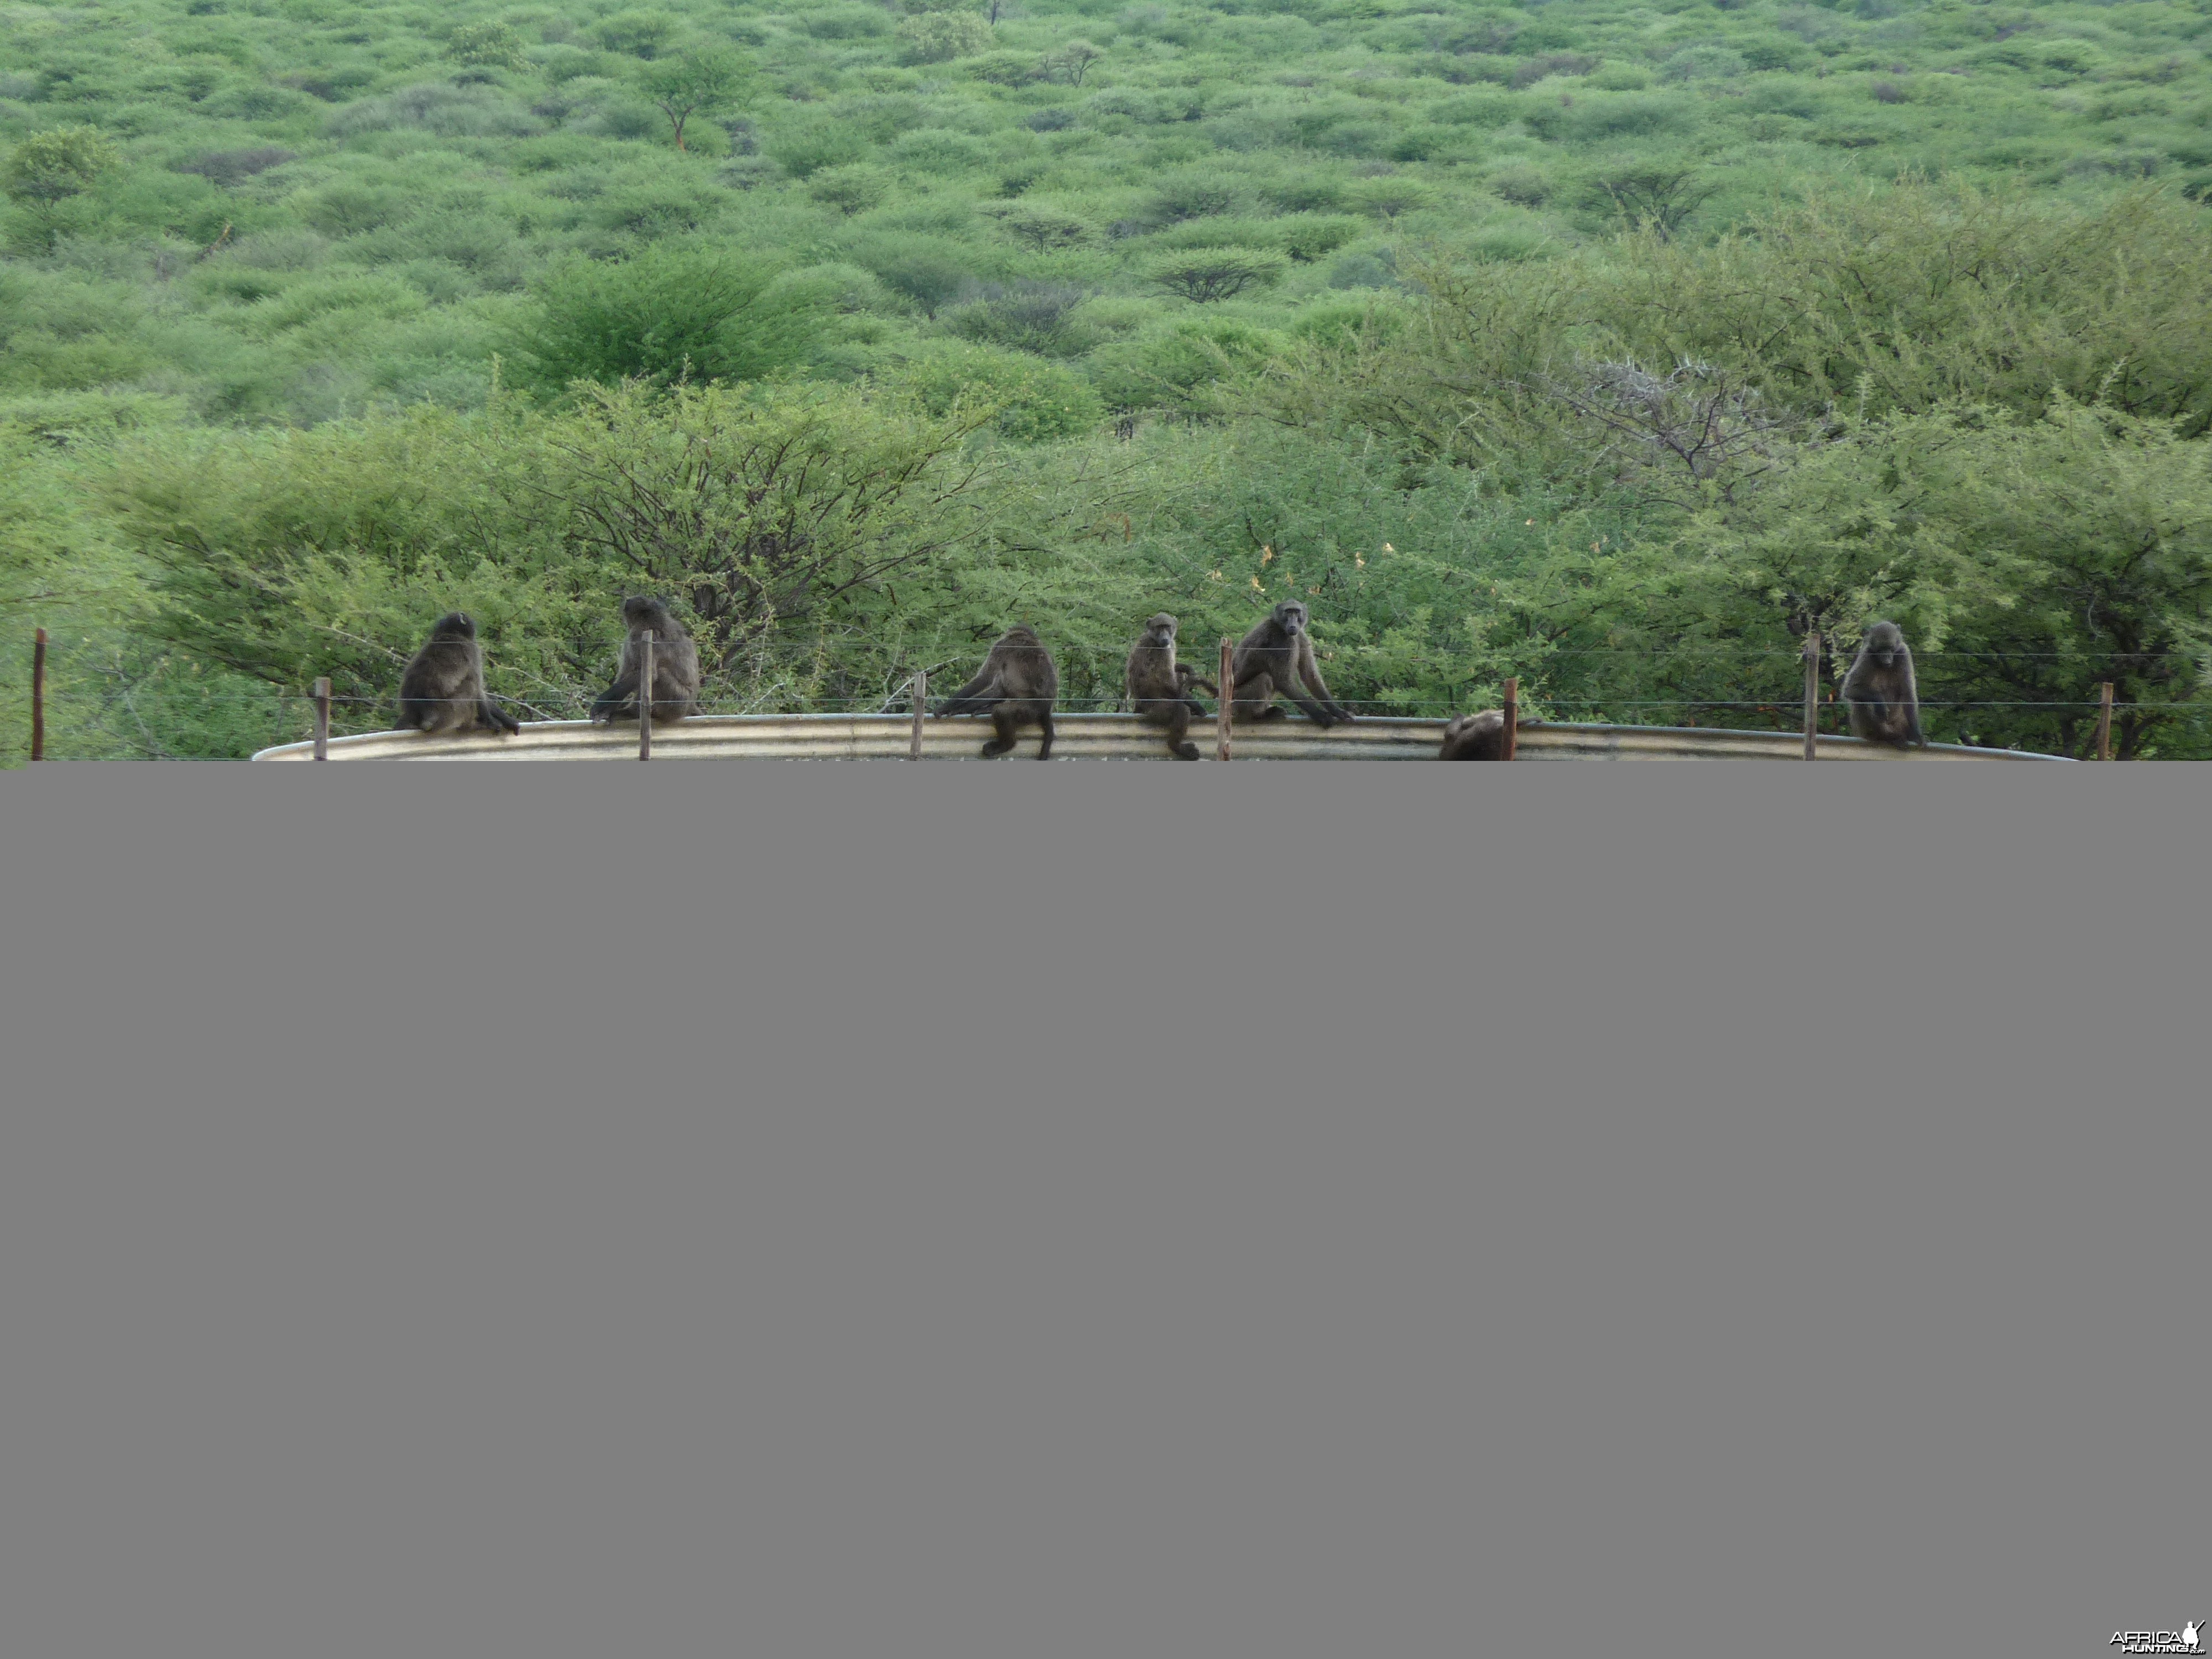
[
  {"x": 1014, "y": 688},
  {"x": 442, "y": 689},
  {"x": 1158, "y": 687}
]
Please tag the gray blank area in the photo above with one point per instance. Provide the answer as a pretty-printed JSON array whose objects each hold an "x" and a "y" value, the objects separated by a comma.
[{"x": 874, "y": 1210}]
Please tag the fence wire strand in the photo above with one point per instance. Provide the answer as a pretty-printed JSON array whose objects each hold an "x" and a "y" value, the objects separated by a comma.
[{"x": 119, "y": 698}]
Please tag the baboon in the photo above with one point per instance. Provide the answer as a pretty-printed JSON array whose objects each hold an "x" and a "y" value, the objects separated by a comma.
[
  {"x": 1879, "y": 692},
  {"x": 1015, "y": 687},
  {"x": 443, "y": 690},
  {"x": 1158, "y": 687},
  {"x": 675, "y": 687},
  {"x": 1276, "y": 659},
  {"x": 1475, "y": 736}
]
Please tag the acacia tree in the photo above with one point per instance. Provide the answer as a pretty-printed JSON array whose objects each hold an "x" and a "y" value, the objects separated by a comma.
[
  {"x": 708, "y": 80},
  {"x": 1072, "y": 62},
  {"x": 1206, "y": 275},
  {"x": 1039, "y": 228},
  {"x": 763, "y": 512},
  {"x": 1658, "y": 198}
]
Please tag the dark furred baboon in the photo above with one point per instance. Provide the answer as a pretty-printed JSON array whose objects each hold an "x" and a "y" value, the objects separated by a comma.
[
  {"x": 1880, "y": 691},
  {"x": 1158, "y": 687},
  {"x": 1475, "y": 736},
  {"x": 443, "y": 690},
  {"x": 675, "y": 666},
  {"x": 1015, "y": 687},
  {"x": 1276, "y": 659}
]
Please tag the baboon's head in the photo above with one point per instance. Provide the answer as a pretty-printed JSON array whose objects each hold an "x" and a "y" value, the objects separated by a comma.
[
  {"x": 1021, "y": 634},
  {"x": 642, "y": 611},
  {"x": 455, "y": 625},
  {"x": 1291, "y": 617},
  {"x": 1885, "y": 642},
  {"x": 1161, "y": 630}
]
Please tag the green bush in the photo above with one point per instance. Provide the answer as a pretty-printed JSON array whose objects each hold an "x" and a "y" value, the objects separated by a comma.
[
  {"x": 940, "y": 37},
  {"x": 1040, "y": 228},
  {"x": 767, "y": 517},
  {"x": 1032, "y": 401},
  {"x": 486, "y": 45},
  {"x": 1044, "y": 318},
  {"x": 670, "y": 314},
  {"x": 471, "y": 111},
  {"x": 808, "y": 150},
  {"x": 845, "y": 23},
  {"x": 1007, "y": 69},
  {"x": 49, "y": 167},
  {"x": 348, "y": 210},
  {"x": 927, "y": 272},
  {"x": 850, "y": 189},
  {"x": 640, "y": 33},
  {"x": 1703, "y": 64},
  {"x": 1307, "y": 237},
  {"x": 1175, "y": 370}
]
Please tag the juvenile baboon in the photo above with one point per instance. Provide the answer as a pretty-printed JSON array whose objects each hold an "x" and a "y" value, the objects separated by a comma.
[
  {"x": 1015, "y": 687},
  {"x": 1475, "y": 736},
  {"x": 1157, "y": 687},
  {"x": 1879, "y": 692},
  {"x": 442, "y": 689},
  {"x": 675, "y": 687},
  {"x": 1276, "y": 659}
]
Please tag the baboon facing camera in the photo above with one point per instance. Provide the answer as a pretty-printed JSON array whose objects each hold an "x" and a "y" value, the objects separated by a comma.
[
  {"x": 1276, "y": 659},
  {"x": 442, "y": 689},
  {"x": 1014, "y": 688},
  {"x": 675, "y": 689},
  {"x": 1880, "y": 691},
  {"x": 1158, "y": 687}
]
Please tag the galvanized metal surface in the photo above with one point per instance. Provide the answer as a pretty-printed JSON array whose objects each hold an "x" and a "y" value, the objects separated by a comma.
[{"x": 1087, "y": 737}]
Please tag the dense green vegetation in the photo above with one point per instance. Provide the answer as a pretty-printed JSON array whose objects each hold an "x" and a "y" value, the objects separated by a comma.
[{"x": 1610, "y": 346}]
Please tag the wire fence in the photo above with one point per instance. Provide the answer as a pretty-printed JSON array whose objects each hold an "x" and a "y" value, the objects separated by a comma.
[
  {"x": 358, "y": 711},
  {"x": 1414, "y": 709}
]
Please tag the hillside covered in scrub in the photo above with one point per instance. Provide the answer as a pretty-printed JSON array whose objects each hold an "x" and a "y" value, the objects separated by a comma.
[{"x": 1611, "y": 347}]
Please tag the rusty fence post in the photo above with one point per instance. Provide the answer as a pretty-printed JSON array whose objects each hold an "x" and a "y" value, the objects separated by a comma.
[
  {"x": 38, "y": 695},
  {"x": 2104, "y": 720},
  {"x": 1509, "y": 738},
  {"x": 322, "y": 718},
  {"x": 920, "y": 701},
  {"x": 1221, "y": 729},
  {"x": 645, "y": 698},
  {"x": 1812, "y": 691}
]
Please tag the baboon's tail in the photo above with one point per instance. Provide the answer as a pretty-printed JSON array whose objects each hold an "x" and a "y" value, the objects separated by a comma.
[{"x": 974, "y": 698}]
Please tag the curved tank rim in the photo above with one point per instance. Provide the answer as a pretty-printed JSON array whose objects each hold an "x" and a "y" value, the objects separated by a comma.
[{"x": 1381, "y": 737}]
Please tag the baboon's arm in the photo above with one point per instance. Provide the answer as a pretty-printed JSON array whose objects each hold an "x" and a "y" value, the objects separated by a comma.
[
  {"x": 1309, "y": 671},
  {"x": 611, "y": 701}
]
